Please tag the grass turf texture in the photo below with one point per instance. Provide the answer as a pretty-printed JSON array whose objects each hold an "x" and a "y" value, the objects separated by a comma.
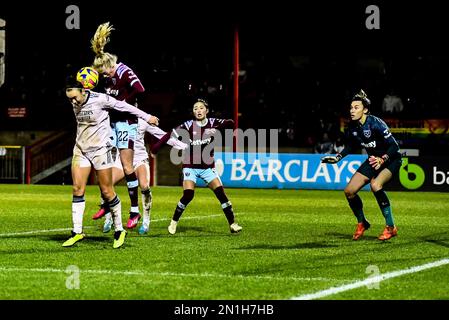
[{"x": 293, "y": 243}]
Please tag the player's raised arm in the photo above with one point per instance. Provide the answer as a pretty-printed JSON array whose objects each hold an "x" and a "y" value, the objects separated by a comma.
[
  {"x": 122, "y": 106},
  {"x": 223, "y": 123},
  {"x": 172, "y": 134}
]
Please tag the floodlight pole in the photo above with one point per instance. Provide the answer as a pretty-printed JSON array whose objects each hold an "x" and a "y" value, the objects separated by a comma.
[{"x": 236, "y": 85}]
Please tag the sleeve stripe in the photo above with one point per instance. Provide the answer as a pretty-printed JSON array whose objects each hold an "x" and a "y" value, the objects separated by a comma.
[
  {"x": 122, "y": 69},
  {"x": 134, "y": 81},
  {"x": 188, "y": 124}
]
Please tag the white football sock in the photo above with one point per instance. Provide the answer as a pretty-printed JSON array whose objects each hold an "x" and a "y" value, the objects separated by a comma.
[
  {"x": 108, "y": 216},
  {"x": 147, "y": 201},
  {"x": 77, "y": 216},
  {"x": 116, "y": 209}
]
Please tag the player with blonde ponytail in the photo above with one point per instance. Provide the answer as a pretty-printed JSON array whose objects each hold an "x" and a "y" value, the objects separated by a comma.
[
  {"x": 104, "y": 61},
  {"x": 123, "y": 84}
]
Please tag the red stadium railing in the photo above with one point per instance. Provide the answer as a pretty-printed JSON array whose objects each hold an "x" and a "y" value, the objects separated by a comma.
[{"x": 47, "y": 153}]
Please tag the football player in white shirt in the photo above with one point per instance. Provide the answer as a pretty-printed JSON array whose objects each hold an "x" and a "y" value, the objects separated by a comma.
[{"x": 93, "y": 147}]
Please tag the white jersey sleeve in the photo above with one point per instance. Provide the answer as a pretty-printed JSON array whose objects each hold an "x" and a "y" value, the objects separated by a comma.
[
  {"x": 140, "y": 151},
  {"x": 122, "y": 106}
]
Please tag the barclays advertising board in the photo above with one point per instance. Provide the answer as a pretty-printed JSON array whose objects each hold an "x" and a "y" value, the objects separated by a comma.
[{"x": 284, "y": 170}]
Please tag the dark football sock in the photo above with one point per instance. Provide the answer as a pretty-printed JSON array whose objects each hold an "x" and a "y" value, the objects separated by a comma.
[
  {"x": 385, "y": 207},
  {"x": 132, "y": 183},
  {"x": 357, "y": 208},
  {"x": 182, "y": 204},
  {"x": 226, "y": 205}
]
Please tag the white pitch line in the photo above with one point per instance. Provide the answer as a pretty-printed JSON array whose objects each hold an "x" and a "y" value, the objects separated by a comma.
[
  {"x": 197, "y": 217},
  {"x": 371, "y": 280},
  {"x": 169, "y": 274},
  {"x": 86, "y": 227},
  {"x": 37, "y": 231},
  {"x": 14, "y": 269}
]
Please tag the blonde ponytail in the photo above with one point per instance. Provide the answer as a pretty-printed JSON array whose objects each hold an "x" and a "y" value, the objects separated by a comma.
[
  {"x": 103, "y": 60},
  {"x": 101, "y": 38}
]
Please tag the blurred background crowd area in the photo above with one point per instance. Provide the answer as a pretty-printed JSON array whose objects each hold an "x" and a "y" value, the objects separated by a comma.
[{"x": 304, "y": 97}]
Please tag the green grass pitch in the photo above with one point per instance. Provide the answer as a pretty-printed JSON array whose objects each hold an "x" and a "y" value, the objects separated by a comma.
[{"x": 293, "y": 243}]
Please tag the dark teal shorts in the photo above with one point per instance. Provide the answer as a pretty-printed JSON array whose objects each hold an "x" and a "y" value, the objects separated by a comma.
[{"x": 393, "y": 165}]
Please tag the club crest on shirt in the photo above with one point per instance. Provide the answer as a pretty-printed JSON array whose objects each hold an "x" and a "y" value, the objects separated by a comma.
[{"x": 367, "y": 133}]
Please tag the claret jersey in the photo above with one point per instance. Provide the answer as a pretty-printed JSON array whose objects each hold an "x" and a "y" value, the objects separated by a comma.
[
  {"x": 200, "y": 137},
  {"x": 124, "y": 86}
]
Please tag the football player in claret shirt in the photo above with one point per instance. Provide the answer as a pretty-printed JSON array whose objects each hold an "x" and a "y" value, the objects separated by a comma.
[
  {"x": 123, "y": 84},
  {"x": 198, "y": 162},
  {"x": 384, "y": 161}
]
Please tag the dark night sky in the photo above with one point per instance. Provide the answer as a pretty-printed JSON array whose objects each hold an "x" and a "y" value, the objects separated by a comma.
[
  {"x": 296, "y": 26},
  {"x": 37, "y": 37}
]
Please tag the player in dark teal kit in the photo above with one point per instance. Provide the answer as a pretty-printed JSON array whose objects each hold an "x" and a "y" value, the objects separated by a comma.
[{"x": 384, "y": 161}]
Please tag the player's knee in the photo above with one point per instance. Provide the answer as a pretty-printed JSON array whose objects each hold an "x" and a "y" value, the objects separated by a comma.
[
  {"x": 375, "y": 186},
  {"x": 78, "y": 190},
  {"x": 108, "y": 193},
  {"x": 109, "y": 196},
  {"x": 349, "y": 193},
  {"x": 128, "y": 169},
  {"x": 187, "y": 196},
  {"x": 144, "y": 185}
]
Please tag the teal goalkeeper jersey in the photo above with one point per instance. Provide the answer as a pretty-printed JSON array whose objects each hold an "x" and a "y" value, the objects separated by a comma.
[{"x": 374, "y": 136}]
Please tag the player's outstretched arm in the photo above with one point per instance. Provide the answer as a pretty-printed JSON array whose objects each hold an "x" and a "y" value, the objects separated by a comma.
[
  {"x": 155, "y": 148},
  {"x": 122, "y": 106},
  {"x": 159, "y": 134},
  {"x": 154, "y": 121},
  {"x": 225, "y": 123}
]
